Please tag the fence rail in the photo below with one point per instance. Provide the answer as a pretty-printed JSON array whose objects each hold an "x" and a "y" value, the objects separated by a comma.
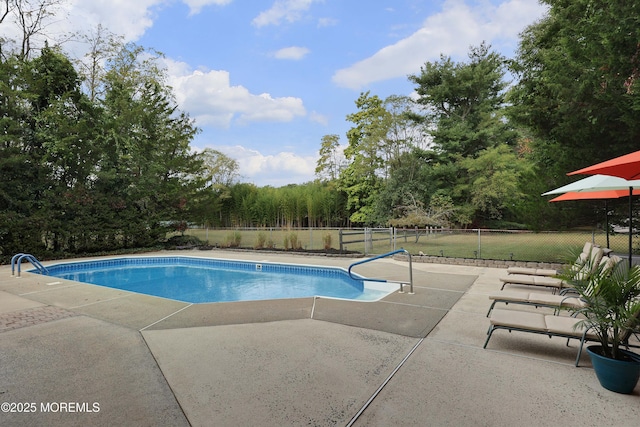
[{"x": 512, "y": 245}]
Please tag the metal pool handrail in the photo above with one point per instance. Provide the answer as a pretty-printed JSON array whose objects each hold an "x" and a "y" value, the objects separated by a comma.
[
  {"x": 16, "y": 260},
  {"x": 384, "y": 280}
]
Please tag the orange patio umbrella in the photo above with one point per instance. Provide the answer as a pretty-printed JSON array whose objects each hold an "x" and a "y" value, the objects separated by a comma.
[
  {"x": 596, "y": 195},
  {"x": 626, "y": 167}
]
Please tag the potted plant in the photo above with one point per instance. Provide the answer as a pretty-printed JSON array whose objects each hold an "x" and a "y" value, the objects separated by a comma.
[{"x": 612, "y": 312}]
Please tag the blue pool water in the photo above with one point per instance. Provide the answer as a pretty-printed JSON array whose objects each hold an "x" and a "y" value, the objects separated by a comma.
[{"x": 202, "y": 280}]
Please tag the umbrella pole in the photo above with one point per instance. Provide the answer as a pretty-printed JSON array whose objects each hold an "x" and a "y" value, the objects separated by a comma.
[
  {"x": 630, "y": 228},
  {"x": 606, "y": 212}
]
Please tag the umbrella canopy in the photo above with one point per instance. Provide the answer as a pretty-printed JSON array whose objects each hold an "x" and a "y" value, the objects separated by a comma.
[
  {"x": 594, "y": 195},
  {"x": 596, "y": 183},
  {"x": 627, "y": 167}
]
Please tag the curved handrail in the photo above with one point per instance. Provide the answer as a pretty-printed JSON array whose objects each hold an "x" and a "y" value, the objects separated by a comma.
[
  {"x": 13, "y": 261},
  {"x": 384, "y": 256},
  {"x": 17, "y": 260}
]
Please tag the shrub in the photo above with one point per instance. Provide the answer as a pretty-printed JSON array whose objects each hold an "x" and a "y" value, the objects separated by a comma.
[
  {"x": 290, "y": 241},
  {"x": 293, "y": 241},
  {"x": 270, "y": 244},
  {"x": 183, "y": 241},
  {"x": 260, "y": 240},
  {"x": 233, "y": 239},
  {"x": 326, "y": 239}
]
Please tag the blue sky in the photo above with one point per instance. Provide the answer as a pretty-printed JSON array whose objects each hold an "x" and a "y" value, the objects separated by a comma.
[{"x": 266, "y": 79}]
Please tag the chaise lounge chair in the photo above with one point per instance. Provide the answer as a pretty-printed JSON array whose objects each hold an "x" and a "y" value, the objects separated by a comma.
[
  {"x": 530, "y": 271},
  {"x": 566, "y": 299},
  {"x": 547, "y": 324},
  {"x": 589, "y": 261},
  {"x": 537, "y": 299},
  {"x": 548, "y": 272},
  {"x": 538, "y": 323}
]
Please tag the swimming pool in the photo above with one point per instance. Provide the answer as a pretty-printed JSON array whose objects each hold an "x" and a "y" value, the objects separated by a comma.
[{"x": 204, "y": 280}]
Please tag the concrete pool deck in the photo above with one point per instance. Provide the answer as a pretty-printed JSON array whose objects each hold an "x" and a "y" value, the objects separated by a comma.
[{"x": 77, "y": 354}]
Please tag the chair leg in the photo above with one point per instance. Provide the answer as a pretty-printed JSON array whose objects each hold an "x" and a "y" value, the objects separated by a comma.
[
  {"x": 579, "y": 352},
  {"x": 491, "y": 308},
  {"x": 489, "y": 332},
  {"x": 582, "y": 340}
]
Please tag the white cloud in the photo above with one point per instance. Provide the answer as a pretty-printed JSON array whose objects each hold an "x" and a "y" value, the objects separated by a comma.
[
  {"x": 264, "y": 108},
  {"x": 293, "y": 52},
  {"x": 314, "y": 116},
  {"x": 287, "y": 10},
  {"x": 195, "y": 6},
  {"x": 450, "y": 32},
  {"x": 212, "y": 100},
  {"x": 276, "y": 170},
  {"x": 123, "y": 17},
  {"x": 327, "y": 22},
  {"x": 126, "y": 18},
  {"x": 514, "y": 15}
]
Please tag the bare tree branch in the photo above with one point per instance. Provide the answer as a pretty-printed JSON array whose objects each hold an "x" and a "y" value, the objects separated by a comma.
[{"x": 31, "y": 16}]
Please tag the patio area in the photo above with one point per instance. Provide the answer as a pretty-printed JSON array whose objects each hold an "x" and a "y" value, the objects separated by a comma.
[{"x": 70, "y": 348}]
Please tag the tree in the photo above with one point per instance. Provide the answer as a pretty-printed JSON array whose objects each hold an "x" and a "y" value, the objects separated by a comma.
[
  {"x": 361, "y": 179},
  {"x": 23, "y": 181},
  {"x": 218, "y": 173},
  {"x": 495, "y": 180},
  {"x": 219, "y": 169},
  {"x": 330, "y": 163},
  {"x": 85, "y": 173},
  {"x": 147, "y": 171},
  {"x": 462, "y": 103},
  {"x": 409, "y": 176},
  {"x": 53, "y": 77},
  {"x": 463, "y": 111},
  {"x": 65, "y": 127},
  {"x": 577, "y": 90},
  {"x": 31, "y": 17},
  {"x": 414, "y": 214},
  {"x": 403, "y": 159},
  {"x": 6, "y": 9},
  {"x": 103, "y": 47}
]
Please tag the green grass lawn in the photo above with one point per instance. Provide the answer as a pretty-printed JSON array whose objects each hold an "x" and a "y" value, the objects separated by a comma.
[{"x": 500, "y": 245}]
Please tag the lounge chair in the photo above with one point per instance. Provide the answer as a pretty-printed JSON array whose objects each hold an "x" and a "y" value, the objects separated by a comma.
[
  {"x": 566, "y": 298},
  {"x": 537, "y": 299},
  {"x": 583, "y": 266},
  {"x": 530, "y": 271},
  {"x": 553, "y": 283},
  {"x": 538, "y": 323},
  {"x": 548, "y": 324},
  {"x": 548, "y": 272}
]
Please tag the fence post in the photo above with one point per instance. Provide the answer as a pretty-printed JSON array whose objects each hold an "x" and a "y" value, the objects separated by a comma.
[
  {"x": 340, "y": 238},
  {"x": 392, "y": 237},
  {"x": 479, "y": 245},
  {"x": 364, "y": 240},
  {"x": 368, "y": 241}
]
